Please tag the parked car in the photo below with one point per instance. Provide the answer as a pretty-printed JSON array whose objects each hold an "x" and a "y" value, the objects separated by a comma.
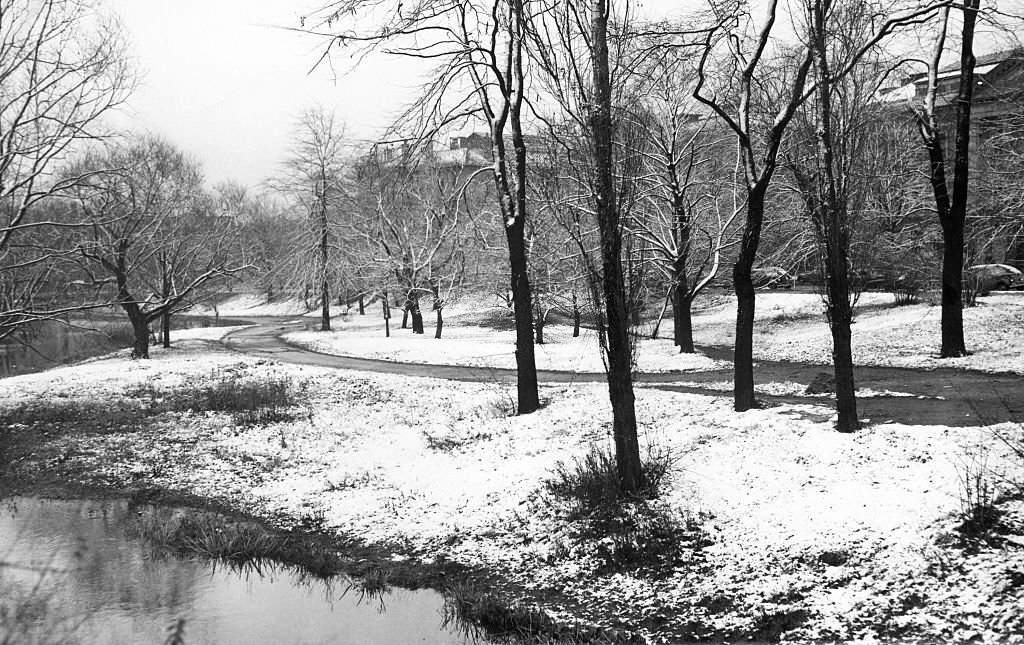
[
  {"x": 772, "y": 278},
  {"x": 994, "y": 277}
]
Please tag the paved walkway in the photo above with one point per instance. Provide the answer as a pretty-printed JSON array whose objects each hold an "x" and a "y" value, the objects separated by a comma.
[{"x": 939, "y": 397}]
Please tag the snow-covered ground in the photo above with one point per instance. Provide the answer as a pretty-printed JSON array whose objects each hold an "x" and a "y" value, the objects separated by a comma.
[
  {"x": 788, "y": 327},
  {"x": 203, "y": 333},
  {"x": 791, "y": 327},
  {"x": 482, "y": 346},
  {"x": 851, "y": 529},
  {"x": 252, "y": 304}
]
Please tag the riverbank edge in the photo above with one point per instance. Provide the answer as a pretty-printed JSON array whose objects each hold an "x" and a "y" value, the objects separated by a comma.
[{"x": 507, "y": 604}]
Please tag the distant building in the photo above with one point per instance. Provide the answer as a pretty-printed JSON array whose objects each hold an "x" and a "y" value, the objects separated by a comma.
[{"x": 999, "y": 87}]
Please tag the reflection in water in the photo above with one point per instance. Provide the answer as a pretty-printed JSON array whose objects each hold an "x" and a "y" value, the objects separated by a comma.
[{"x": 71, "y": 573}]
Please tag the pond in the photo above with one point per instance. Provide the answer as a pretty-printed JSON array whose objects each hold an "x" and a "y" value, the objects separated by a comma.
[
  {"x": 72, "y": 572},
  {"x": 47, "y": 344}
]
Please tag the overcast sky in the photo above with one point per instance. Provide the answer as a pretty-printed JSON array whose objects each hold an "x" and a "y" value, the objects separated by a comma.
[{"x": 224, "y": 83}]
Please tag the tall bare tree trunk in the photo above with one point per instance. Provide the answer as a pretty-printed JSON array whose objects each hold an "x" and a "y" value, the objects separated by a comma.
[
  {"x": 165, "y": 328},
  {"x": 952, "y": 210},
  {"x": 139, "y": 322},
  {"x": 514, "y": 210},
  {"x": 953, "y": 343},
  {"x": 832, "y": 228},
  {"x": 743, "y": 361},
  {"x": 165, "y": 288},
  {"x": 682, "y": 320},
  {"x": 682, "y": 328},
  {"x": 325, "y": 287},
  {"x": 417, "y": 315},
  {"x": 140, "y": 333},
  {"x": 140, "y": 326},
  {"x": 620, "y": 377},
  {"x": 577, "y": 315},
  {"x": 661, "y": 315}
]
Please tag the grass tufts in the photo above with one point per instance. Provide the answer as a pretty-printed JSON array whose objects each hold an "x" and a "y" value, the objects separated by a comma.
[
  {"x": 478, "y": 614},
  {"x": 249, "y": 401},
  {"x": 453, "y": 440},
  {"x": 208, "y": 535},
  {"x": 243, "y": 544}
]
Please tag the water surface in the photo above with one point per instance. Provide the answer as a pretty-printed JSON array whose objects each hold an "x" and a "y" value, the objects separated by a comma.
[{"x": 74, "y": 573}]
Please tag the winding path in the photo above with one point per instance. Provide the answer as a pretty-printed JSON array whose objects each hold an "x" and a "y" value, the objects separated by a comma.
[{"x": 937, "y": 397}]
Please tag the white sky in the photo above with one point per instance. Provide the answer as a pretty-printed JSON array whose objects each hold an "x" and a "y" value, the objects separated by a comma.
[{"x": 221, "y": 82}]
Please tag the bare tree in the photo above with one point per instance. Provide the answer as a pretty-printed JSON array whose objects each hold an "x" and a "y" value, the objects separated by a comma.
[
  {"x": 314, "y": 177},
  {"x": 950, "y": 205},
  {"x": 825, "y": 189},
  {"x": 579, "y": 49},
  {"x": 265, "y": 227},
  {"x": 759, "y": 136},
  {"x": 148, "y": 233},
  {"x": 62, "y": 68},
  {"x": 620, "y": 361},
  {"x": 412, "y": 220},
  {"x": 685, "y": 179},
  {"x": 758, "y": 140}
]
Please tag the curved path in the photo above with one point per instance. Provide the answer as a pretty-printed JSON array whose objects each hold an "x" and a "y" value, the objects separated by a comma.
[{"x": 938, "y": 397}]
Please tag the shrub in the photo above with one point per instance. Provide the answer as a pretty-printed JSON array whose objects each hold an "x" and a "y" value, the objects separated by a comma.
[
  {"x": 978, "y": 515},
  {"x": 591, "y": 483},
  {"x": 1014, "y": 440},
  {"x": 623, "y": 532},
  {"x": 970, "y": 289},
  {"x": 905, "y": 290}
]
